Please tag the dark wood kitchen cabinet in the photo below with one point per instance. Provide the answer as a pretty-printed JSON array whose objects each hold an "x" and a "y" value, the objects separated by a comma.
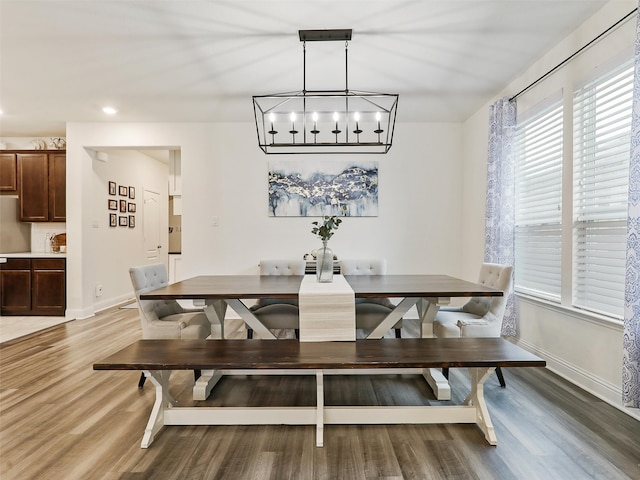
[
  {"x": 8, "y": 173},
  {"x": 33, "y": 286},
  {"x": 15, "y": 286},
  {"x": 42, "y": 187}
]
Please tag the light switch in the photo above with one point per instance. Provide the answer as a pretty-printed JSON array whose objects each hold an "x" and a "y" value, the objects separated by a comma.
[{"x": 215, "y": 221}]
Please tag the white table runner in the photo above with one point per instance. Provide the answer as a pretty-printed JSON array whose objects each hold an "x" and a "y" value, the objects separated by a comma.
[{"x": 327, "y": 310}]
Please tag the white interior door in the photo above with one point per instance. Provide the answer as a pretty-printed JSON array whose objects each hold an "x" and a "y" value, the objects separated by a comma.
[{"x": 152, "y": 242}]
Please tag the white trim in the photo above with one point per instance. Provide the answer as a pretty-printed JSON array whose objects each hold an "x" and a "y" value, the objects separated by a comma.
[
  {"x": 80, "y": 314},
  {"x": 600, "y": 320}
]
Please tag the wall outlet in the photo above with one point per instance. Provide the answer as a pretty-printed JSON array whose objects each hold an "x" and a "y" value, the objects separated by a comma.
[{"x": 98, "y": 290}]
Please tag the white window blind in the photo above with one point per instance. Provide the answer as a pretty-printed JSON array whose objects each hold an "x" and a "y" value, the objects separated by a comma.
[
  {"x": 538, "y": 217},
  {"x": 602, "y": 138}
]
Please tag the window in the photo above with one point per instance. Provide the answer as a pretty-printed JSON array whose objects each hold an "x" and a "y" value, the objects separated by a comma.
[
  {"x": 595, "y": 232},
  {"x": 538, "y": 216},
  {"x": 602, "y": 139}
]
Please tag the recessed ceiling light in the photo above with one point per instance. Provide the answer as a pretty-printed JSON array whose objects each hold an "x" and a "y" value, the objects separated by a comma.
[{"x": 109, "y": 110}]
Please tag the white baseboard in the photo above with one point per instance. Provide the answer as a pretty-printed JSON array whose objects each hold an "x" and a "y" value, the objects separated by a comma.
[
  {"x": 604, "y": 390},
  {"x": 83, "y": 313},
  {"x": 79, "y": 313}
]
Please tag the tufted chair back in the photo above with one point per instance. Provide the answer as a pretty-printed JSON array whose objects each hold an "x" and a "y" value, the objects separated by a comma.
[
  {"x": 365, "y": 266},
  {"x": 496, "y": 276},
  {"x": 164, "y": 318},
  {"x": 480, "y": 316},
  {"x": 282, "y": 267},
  {"x": 370, "y": 311},
  {"x": 278, "y": 313}
]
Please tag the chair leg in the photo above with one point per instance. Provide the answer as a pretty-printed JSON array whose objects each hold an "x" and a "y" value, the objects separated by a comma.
[
  {"x": 445, "y": 372},
  {"x": 142, "y": 380},
  {"x": 500, "y": 377},
  {"x": 398, "y": 332},
  {"x": 249, "y": 333}
]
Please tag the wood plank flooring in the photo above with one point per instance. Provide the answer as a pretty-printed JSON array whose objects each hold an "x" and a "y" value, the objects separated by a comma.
[{"x": 59, "y": 419}]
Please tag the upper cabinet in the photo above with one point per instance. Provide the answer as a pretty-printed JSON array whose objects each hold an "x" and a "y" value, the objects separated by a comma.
[
  {"x": 57, "y": 187},
  {"x": 42, "y": 186},
  {"x": 8, "y": 173}
]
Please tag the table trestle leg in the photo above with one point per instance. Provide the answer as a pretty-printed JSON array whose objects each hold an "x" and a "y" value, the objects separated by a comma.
[
  {"x": 203, "y": 386},
  {"x": 250, "y": 319},
  {"x": 476, "y": 398},
  {"x": 215, "y": 310},
  {"x": 164, "y": 400},
  {"x": 427, "y": 309},
  {"x": 438, "y": 383},
  {"x": 392, "y": 318}
]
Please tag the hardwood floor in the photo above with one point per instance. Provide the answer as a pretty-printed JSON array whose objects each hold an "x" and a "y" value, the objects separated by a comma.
[{"x": 59, "y": 419}]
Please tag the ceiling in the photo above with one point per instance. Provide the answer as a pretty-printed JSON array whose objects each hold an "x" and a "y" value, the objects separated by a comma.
[{"x": 201, "y": 61}]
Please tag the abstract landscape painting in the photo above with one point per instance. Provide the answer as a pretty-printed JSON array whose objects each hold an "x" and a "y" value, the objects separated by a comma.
[{"x": 304, "y": 188}]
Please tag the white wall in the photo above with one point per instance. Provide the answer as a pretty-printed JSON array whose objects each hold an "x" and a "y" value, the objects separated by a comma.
[
  {"x": 224, "y": 174},
  {"x": 585, "y": 349}
]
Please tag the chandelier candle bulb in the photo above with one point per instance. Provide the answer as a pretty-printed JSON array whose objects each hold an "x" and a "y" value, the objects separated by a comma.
[
  {"x": 293, "y": 130},
  {"x": 315, "y": 130},
  {"x": 379, "y": 130},
  {"x": 272, "y": 132},
  {"x": 357, "y": 131},
  {"x": 336, "y": 117}
]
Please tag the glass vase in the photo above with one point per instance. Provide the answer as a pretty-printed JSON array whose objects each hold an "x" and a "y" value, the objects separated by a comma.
[{"x": 324, "y": 264}]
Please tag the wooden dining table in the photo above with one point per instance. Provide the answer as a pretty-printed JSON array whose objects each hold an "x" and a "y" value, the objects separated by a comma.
[{"x": 426, "y": 292}]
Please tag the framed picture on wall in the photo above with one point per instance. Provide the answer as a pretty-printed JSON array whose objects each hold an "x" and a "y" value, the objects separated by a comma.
[
  {"x": 346, "y": 188},
  {"x": 113, "y": 221},
  {"x": 123, "y": 190},
  {"x": 132, "y": 221},
  {"x": 123, "y": 206},
  {"x": 113, "y": 204},
  {"x": 123, "y": 221},
  {"x": 131, "y": 207},
  {"x": 112, "y": 188},
  {"x": 132, "y": 192}
]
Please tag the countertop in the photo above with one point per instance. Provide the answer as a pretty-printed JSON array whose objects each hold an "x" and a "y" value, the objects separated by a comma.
[{"x": 33, "y": 255}]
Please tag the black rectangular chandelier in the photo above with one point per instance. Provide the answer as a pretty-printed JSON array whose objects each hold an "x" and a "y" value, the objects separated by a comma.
[{"x": 325, "y": 121}]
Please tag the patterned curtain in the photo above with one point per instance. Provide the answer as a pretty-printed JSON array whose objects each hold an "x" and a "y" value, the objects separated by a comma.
[
  {"x": 631, "y": 339},
  {"x": 500, "y": 203}
]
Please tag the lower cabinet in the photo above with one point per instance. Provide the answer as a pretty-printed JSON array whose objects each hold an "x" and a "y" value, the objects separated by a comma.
[{"x": 33, "y": 286}]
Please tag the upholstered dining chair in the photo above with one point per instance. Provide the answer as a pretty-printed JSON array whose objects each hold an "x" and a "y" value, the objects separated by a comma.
[
  {"x": 370, "y": 311},
  {"x": 165, "y": 319},
  {"x": 480, "y": 316},
  {"x": 278, "y": 313}
]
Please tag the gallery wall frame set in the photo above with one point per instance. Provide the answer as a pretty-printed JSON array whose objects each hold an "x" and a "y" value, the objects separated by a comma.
[{"x": 122, "y": 205}]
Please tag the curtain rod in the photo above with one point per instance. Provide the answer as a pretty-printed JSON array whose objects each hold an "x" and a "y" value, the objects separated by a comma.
[{"x": 561, "y": 64}]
